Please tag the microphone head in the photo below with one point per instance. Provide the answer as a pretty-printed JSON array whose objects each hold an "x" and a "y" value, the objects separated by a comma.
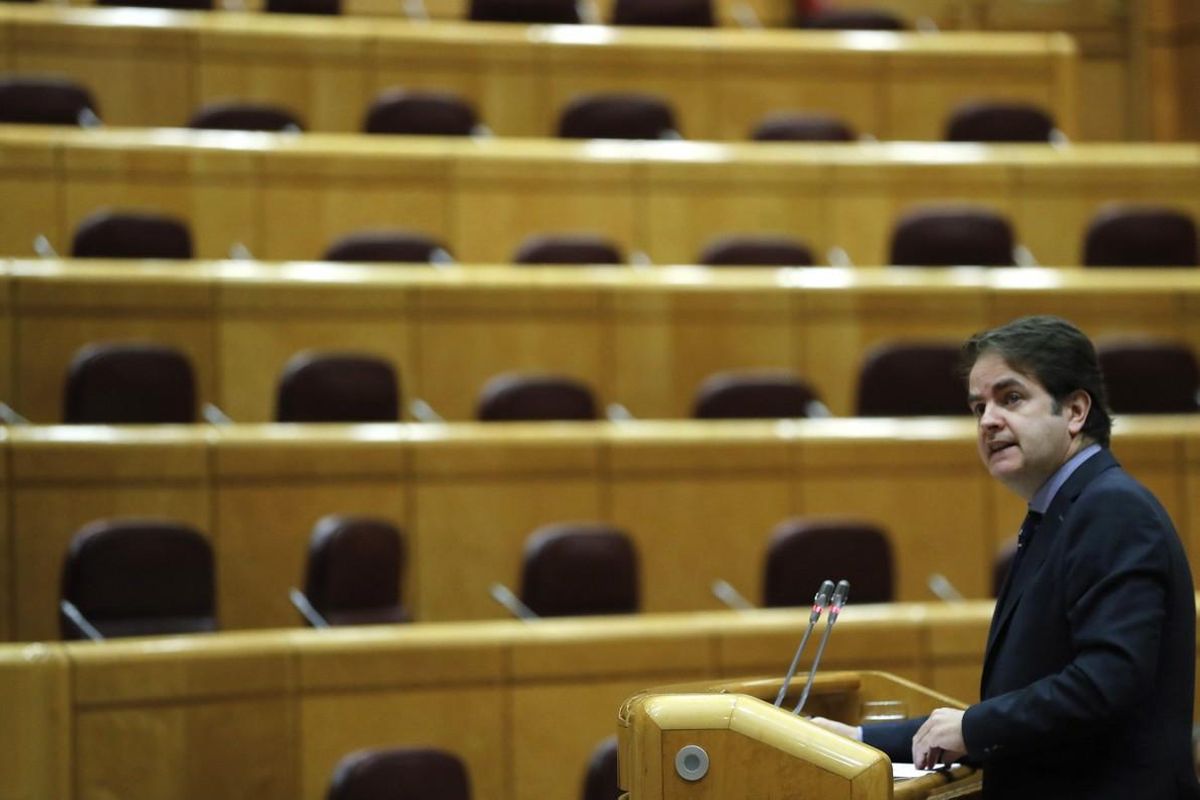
[
  {"x": 822, "y": 597},
  {"x": 841, "y": 593}
]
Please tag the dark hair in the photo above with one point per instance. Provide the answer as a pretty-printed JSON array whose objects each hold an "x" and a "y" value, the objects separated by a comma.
[{"x": 1057, "y": 355}]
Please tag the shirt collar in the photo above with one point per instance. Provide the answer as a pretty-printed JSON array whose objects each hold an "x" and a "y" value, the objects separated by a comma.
[{"x": 1045, "y": 495}]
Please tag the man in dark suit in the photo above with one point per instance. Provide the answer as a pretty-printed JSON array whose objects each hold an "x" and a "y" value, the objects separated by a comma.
[{"x": 1088, "y": 676}]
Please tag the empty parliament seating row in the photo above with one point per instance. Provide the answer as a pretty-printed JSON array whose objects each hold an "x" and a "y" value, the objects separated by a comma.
[
  {"x": 1119, "y": 235},
  {"x": 269, "y": 714},
  {"x": 155, "y": 69},
  {"x": 643, "y": 338},
  {"x": 699, "y": 500},
  {"x": 667, "y": 199}
]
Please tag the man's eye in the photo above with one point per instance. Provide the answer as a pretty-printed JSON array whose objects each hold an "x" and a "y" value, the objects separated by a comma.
[{"x": 1012, "y": 397}]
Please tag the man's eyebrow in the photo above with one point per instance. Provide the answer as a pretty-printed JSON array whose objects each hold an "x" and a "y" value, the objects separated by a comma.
[{"x": 998, "y": 386}]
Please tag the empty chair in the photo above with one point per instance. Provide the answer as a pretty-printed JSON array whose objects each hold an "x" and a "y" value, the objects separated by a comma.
[
  {"x": 576, "y": 569},
  {"x": 321, "y": 7},
  {"x": 129, "y": 383},
  {"x": 950, "y": 236},
  {"x": 669, "y": 13},
  {"x": 137, "y": 577},
  {"x": 852, "y": 19},
  {"x": 568, "y": 249},
  {"x": 515, "y": 396},
  {"x": 564, "y": 12},
  {"x": 420, "y": 113},
  {"x": 1140, "y": 236},
  {"x": 617, "y": 116},
  {"x": 601, "y": 781},
  {"x": 131, "y": 234},
  {"x": 999, "y": 122},
  {"x": 388, "y": 246},
  {"x": 804, "y": 552},
  {"x": 756, "y": 251},
  {"x": 759, "y": 394},
  {"x": 337, "y": 387},
  {"x": 353, "y": 572},
  {"x": 46, "y": 100},
  {"x": 911, "y": 379},
  {"x": 233, "y": 115},
  {"x": 1145, "y": 376},
  {"x": 400, "y": 773},
  {"x": 801, "y": 127}
]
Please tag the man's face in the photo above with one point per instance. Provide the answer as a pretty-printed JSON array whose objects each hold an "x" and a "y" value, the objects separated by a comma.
[{"x": 1022, "y": 439}]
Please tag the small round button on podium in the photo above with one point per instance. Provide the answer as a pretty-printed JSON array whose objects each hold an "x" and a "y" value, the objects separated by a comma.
[{"x": 691, "y": 762}]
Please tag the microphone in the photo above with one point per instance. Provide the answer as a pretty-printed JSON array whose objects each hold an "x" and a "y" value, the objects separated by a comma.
[
  {"x": 835, "y": 607},
  {"x": 820, "y": 600}
]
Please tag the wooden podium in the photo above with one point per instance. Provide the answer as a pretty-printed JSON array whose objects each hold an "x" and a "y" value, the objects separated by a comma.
[{"x": 727, "y": 741}]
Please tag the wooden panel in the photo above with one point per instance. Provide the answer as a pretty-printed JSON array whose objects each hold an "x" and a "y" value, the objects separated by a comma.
[
  {"x": 206, "y": 714},
  {"x": 272, "y": 487},
  {"x": 569, "y": 188},
  {"x": 478, "y": 500},
  {"x": 840, "y": 329},
  {"x": 326, "y": 69},
  {"x": 1063, "y": 193},
  {"x": 27, "y": 170},
  {"x": 540, "y": 321},
  {"x": 358, "y": 186},
  {"x": 8, "y": 611},
  {"x": 63, "y": 478},
  {"x": 695, "y": 195},
  {"x": 469, "y": 721},
  {"x": 60, "y": 313},
  {"x": 267, "y": 315},
  {"x": 860, "y": 481},
  {"x": 700, "y": 510},
  {"x": 36, "y": 736},
  {"x": 139, "y": 70}
]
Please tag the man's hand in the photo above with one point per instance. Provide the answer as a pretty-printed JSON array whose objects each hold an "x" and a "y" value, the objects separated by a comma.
[
  {"x": 849, "y": 731},
  {"x": 940, "y": 739}
]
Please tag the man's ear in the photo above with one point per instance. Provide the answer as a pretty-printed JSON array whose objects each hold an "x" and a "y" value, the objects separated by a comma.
[{"x": 1076, "y": 407}]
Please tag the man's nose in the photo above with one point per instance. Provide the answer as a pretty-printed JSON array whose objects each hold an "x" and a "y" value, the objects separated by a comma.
[{"x": 990, "y": 418}]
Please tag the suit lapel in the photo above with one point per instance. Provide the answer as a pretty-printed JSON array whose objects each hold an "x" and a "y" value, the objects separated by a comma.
[{"x": 1032, "y": 560}]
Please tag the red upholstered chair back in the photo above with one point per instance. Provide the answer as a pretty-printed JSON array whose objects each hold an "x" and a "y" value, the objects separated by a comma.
[
  {"x": 753, "y": 394},
  {"x": 852, "y": 19},
  {"x": 420, "y": 113},
  {"x": 1144, "y": 376},
  {"x": 354, "y": 569},
  {"x": 804, "y": 552},
  {"x": 237, "y": 116},
  {"x": 44, "y": 100},
  {"x": 568, "y": 249},
  {"x": 999, "y": 122},
  {"x": 400, "y": 773},
  {"x": 617, "y": 116},
  {"x": 392, "y": 246},
  {"x": 911, "y": 379},
  {"x": 602, "y": 779},
  {"x": 552, "y": 12},
  {"x": 576, "y": 569},
  {"x": 514, "y": 397},
  {"x": 1140, "y": 236},
  {"x": 131, "y": 234},
  {"x": 756, "y": 251},
  {"x": 945, "y": 236},
  {"x": 129, "y": 383},
  {"x": 134, "y": 577},
  {"x": 799, "y": 127},
  {"x": 337, "y": 387},
  {"x": 664, "y": 13}
]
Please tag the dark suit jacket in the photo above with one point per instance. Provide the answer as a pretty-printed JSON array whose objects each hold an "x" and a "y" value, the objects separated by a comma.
[{"x": 1088, "y": 676}]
